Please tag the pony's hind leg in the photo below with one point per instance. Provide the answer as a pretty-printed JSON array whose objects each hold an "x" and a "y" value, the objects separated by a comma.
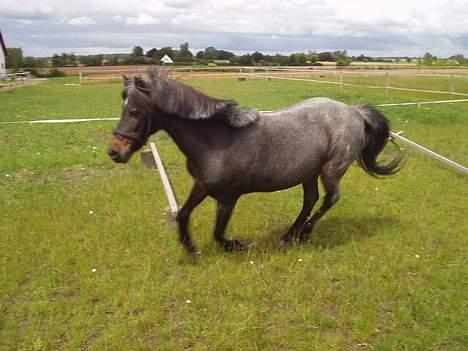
[
  {"x": 197, "y": 195},
  {"x": 331, "y": 182},
  {"x": 311, "y": 196},
  {"x": 223, "y": 214}
]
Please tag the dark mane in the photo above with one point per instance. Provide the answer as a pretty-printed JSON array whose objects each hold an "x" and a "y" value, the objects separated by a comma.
[{"x": 175, "y": 98}]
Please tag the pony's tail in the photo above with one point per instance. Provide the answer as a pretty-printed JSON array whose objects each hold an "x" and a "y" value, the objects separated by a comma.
[{"x": 377, "y": 128}]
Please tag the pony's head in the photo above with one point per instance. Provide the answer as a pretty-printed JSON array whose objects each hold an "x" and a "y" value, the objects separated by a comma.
[
  {"x": 136, "y": 121},
  {"x": 149, "y": 104}
]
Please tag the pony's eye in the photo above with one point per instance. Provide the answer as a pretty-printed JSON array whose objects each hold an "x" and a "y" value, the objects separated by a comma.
[{"x": 134, "y": 113}]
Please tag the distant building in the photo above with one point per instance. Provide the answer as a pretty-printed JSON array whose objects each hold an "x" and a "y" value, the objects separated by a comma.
[
  {"x": 3, "y": 55},
  {"x": 166, "y": 59}
]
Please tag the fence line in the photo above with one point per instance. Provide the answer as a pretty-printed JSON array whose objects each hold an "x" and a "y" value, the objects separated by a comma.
[
  {"x": 422, "y": 103},
  {"x": 430, "y": 153},
  {"x": 78, "y": 120},
  {"x": 165, "y": 180},
  {"x": 394, "y": 135},
  {"x": 341, "y": 84}
]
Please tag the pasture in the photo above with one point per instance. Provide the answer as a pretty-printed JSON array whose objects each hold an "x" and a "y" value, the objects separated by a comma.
[{"x": 88, "y": 261}]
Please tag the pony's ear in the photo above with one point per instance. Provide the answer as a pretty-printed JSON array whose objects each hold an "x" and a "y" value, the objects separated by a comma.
[
  {"x": 140, "y": 83},
  {"x": 126, "y": 80}
]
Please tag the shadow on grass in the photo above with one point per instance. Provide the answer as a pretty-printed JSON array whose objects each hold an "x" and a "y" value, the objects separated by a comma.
[{"x": 329, "y": 233}]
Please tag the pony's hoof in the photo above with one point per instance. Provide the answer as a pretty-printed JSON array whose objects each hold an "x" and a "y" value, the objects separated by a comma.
[
  {"x": 192, "y": 250},
  {"x": 233, "y": 245},
  {"x": 287, "y": 238},
  {"x": 303, "y": 238},
  {"x": 290, "y": 235}
]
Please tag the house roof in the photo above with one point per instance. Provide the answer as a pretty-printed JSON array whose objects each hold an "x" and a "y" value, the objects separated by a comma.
[
  {"x": 2, "y": 44},
  {"x": 167, "y": 59}
]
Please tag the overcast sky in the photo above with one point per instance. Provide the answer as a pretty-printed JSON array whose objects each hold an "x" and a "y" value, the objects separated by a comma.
[{"x": 372, "y": 27}]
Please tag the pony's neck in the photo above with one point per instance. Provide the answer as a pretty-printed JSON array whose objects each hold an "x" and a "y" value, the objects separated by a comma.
[{"x": 192, "y": 137}]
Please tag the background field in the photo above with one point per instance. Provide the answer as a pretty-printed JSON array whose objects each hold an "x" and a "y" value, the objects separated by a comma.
[{"x": 88, "y": 262}]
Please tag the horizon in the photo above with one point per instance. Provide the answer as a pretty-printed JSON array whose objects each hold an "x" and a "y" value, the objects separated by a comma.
[
  {"x": 377, "y": 29},
  {"x": 239, "y": 53}
]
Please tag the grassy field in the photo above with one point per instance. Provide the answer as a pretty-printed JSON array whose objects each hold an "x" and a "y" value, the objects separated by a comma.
[{"x": 88, "y": 261}]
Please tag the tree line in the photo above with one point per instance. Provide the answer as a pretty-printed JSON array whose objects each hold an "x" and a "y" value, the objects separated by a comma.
[{"x": 210, "y": 55}]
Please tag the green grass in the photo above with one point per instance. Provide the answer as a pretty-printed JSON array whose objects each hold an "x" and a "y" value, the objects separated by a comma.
[{"x": 87, "y": 260}]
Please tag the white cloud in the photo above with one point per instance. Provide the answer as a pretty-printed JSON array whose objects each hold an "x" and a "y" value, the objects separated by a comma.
[
  {"x": 407, "y": 26},
  {"x": 178, "y": 3},
  {"x": 141, "y": 20},
  {"x": 81, "y": 21}
]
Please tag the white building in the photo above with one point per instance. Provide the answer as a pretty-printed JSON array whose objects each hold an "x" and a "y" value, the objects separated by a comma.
[
  {"x": 3, "y": 54},
  {"x": 166, "y": 59}
]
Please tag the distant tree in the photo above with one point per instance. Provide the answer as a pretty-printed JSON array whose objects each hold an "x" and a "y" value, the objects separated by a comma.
[
  {"x": 342, "y": 58},
  {"x": 57, "y": 61},
  {"x": 166, "y": 51},
  {"x": 114, "y": 60},
  {"x": 326, "y": 56},
  {"x": 14, "y": 58},
  {"x": 152, "y": 53},
  {"x": 137, "y": 56},
  {"x": 184, "y": 53},
  {"x": 297, "y": 59},
  {"x": 224, "y": 55},
  {"x": 311, "y": 57},
  {"x": 68, "y": 59},
  {"x": 245, "y": 60},
  {"x": 257, "y": 57},
  {"x": 362, "y": 58},
  {"x": 31, "y": 62},
  {"x": 279, "y": 60},
  {"x": 91, "y": 60},
  {"x": 137, "y": 51},
  {"x": 459, "y": 58},
  {"x": 428, "y": 59},
  {"x": 210, "y": 53}
]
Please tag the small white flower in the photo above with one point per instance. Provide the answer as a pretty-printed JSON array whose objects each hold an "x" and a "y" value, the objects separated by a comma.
[
  {"x": 188, "y": 302},
  {"x": 91, "y": 212},
  {"x": 251, "y": 262},
  {"x": 417, "y": 256},
  {"x": 38, "y": 153},
  {"x": 7, "y": 175},
  {"x": 299, "y": 260},
  {"x": 94, "y": 270},
  {"x": 376, "y": 189}
]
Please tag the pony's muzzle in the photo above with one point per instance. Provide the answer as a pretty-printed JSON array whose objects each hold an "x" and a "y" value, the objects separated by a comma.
[
  {"x": 114, "y": 155},
  {"x": 119, "y": 150}
]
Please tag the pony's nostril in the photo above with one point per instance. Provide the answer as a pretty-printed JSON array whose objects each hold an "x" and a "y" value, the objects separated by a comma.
[{"x": 112, "y": 153}]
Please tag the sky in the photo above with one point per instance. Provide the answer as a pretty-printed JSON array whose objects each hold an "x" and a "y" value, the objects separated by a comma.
[{"x": 369, "y": 27}]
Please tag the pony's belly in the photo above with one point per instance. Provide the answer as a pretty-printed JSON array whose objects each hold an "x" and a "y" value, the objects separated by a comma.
[{"x": 278, "y": 182}]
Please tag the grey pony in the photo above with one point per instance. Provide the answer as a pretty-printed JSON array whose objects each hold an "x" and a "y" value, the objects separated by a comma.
[{"x": 233, "y": 151}]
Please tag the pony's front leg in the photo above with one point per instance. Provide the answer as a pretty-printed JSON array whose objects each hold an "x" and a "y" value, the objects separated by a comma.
[
  {"x": 197, "y": 195},
  {"x": 223, "y": 214}
]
